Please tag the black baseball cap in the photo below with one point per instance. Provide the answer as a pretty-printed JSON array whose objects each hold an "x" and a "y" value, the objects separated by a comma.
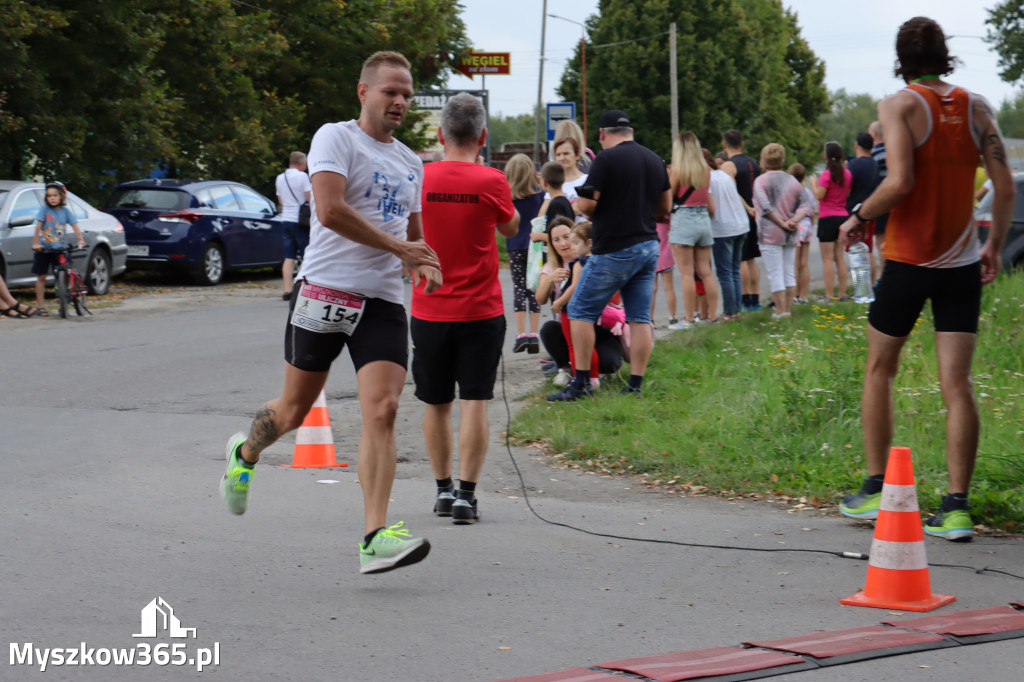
[{"x": 613, "y": 118}]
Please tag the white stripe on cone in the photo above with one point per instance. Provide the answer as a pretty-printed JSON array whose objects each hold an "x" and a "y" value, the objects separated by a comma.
[
  {"x": 898, "y": 498},
  {"x": 321, "y": 400},
  {"x": 314, "y": 435},
  {"x": 900, "y": 556}
]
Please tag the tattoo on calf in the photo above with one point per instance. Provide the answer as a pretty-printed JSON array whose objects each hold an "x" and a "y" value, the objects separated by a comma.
[{"x": 263, "y": 431}]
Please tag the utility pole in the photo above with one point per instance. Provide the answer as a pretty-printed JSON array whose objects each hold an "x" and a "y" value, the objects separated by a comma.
[
  {"x": 540, "y": 89},
  {"x": 674, "y": 85}
]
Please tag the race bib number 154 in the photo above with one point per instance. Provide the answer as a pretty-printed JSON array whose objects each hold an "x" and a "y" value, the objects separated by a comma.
[{"x": 327, "y": 311}]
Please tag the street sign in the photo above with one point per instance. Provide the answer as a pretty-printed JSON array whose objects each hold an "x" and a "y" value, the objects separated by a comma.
[
  {"x": 562, "y": 111},
  {"x": 484, "y": 63}
]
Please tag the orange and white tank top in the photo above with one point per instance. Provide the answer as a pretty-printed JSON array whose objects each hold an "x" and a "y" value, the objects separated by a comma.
[{"x": 933, "y": 226}]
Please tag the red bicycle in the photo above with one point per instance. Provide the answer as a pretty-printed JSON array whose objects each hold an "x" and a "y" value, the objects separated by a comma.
[{"x": 71, "y": 290}]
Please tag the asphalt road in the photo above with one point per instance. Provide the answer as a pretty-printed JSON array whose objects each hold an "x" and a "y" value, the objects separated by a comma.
[{"x": 112, "y": 433}]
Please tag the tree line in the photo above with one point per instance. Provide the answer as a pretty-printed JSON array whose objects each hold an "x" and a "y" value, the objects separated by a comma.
[{"x": 107, "y": 91}]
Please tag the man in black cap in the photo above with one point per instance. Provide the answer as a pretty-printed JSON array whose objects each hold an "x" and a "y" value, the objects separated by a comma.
[{"x": 626, "y": 191}]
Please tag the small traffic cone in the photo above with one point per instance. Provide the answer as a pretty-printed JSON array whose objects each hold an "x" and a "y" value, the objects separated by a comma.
[
  {"x": 897, "y": 566},
  {"x": 314, "y": 445}
]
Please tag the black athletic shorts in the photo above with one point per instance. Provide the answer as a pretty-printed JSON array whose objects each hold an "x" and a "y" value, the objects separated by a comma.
[
  {"x": 751, "y": 249},
  {"x": 903, "y": 289},
  {"x": 446, "y": 353},
  {"x": 828, "y": 228},
  {"x": 382, "y": 334}
]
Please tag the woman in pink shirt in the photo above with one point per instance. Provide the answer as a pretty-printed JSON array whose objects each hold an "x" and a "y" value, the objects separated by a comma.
[
  {"x": 831, "y": 189},
  {"x": 690, "y": 231}
]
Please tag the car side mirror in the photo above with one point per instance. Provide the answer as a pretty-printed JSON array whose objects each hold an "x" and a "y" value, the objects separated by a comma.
[{"x": 22, "y": 220}]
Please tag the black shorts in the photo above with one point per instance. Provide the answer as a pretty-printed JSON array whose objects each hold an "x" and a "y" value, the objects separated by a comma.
[
  {"x": 446, "y": 353},
  {"x": 42, "y": 261},
  {"x": 751, "y": 249},
  {"x": 382, "y": 334},
  {"x": 828, "y": 228},
  {"x": 903, "y": 289}
]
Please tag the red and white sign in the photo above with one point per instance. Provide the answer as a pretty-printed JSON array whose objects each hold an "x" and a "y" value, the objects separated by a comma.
[{"x": 484, "y": 63}]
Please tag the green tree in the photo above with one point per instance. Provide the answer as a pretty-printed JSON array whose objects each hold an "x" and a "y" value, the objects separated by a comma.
[
  {"x": 850, "y": 114},
  {"x": 81, "y": 98},
  {"x": 101, "y": 92},
  {"x": 741, "y": 64},
  {"x": 1007, "y": 34},
  {"x": 502, "y": 129},
  {"x": 1011, "y": 115}
]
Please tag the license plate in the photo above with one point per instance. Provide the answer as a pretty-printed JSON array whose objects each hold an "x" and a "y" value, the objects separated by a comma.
[{"x": 138, "y": 250}]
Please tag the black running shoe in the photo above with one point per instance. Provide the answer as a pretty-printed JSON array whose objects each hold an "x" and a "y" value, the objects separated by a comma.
[
  {"x": 465, "y": 512},
  {"x": 443, "y": 504}
]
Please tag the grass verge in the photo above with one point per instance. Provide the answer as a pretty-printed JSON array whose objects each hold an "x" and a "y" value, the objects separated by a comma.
[{"x": 772, "y": 409}]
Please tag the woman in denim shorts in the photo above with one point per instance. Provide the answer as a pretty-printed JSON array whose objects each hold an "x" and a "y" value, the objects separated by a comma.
[{"x": 690, "y": 233}]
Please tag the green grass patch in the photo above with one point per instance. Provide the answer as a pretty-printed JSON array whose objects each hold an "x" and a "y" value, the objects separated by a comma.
[{"x": 765, "y": 408}]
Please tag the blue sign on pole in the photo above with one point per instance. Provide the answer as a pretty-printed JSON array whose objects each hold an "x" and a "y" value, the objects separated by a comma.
[{"x": 557, "y": 113}]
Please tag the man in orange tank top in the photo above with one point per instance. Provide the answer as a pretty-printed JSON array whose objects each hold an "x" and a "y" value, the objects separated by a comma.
[{"x": 934, "y": 134}]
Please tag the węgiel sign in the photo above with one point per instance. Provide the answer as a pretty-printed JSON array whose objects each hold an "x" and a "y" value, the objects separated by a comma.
[{"x": 483, "y": 63}]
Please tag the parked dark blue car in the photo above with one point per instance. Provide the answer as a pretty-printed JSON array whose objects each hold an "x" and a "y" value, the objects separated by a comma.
[{"x": 205, "y": 228}]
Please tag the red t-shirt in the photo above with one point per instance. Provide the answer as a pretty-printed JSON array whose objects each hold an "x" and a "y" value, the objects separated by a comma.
[{"x": 462, "y": 206}]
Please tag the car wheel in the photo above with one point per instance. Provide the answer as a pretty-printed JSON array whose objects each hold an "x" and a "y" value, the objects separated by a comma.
[
  {"x": 97, "y": 273},
  {"x": 211, "y": 268}
]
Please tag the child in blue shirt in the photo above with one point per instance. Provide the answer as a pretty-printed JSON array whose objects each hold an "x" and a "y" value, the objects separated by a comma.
[{"x": 53, "y": 219}]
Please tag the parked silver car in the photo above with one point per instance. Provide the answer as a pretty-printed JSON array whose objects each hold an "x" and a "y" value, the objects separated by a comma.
[{"x": 106, "y": 252}]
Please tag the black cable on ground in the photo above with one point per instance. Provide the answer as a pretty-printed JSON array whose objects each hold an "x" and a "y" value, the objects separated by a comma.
[{"x": 842, "y": 555}]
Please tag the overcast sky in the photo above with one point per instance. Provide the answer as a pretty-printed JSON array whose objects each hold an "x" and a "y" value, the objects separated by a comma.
[{"x": 855, "y": 39}]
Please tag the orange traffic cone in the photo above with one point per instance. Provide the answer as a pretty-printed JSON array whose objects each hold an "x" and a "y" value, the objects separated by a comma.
[
  {"x": 897, "y": 566},
  {"x": 314, "y": 445}
]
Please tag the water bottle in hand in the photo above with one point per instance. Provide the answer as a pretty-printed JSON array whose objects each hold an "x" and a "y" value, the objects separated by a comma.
[{"x": 859, "y": 258}]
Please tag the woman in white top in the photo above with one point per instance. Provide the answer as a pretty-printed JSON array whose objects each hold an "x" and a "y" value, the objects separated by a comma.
[{"x": 567, "y": 155}]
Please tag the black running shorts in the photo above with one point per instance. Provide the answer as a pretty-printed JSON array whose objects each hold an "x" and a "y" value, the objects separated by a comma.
[
  {"x": 955, "y": 294},
  {"x": 382, "y": 334}
]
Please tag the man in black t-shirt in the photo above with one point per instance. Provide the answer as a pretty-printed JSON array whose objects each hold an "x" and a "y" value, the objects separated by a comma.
[
  {"x": 744, "y": 170},
  {"x": 864, "y": 171},
  {"x": 627, "y": 190}
]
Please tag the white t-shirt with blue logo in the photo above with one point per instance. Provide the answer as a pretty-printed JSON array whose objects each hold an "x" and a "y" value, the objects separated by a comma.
[
  {"x": 55, "y": 222},
  {"x": 383, "y": 182}
]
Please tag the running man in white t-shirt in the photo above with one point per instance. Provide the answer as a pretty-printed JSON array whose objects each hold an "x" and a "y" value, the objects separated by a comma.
[{"x": 365, "y": 221}]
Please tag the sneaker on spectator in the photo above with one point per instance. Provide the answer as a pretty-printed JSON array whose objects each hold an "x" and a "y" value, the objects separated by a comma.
[
  {"x": 571, "y": 393},
  {"x": 521, "y": 343},
  {"x": 562, "y": 378},
  {"x": 682, "y": 324},
  {"x": 595, "y": 383},
  {"x": 672, "y": 321},
  {"x": 534, "y": 342}
]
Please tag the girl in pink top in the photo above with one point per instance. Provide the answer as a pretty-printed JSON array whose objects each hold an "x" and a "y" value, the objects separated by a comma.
[
  {"x": 831, "y": 189},
  {"x": 690, "y": 231}
]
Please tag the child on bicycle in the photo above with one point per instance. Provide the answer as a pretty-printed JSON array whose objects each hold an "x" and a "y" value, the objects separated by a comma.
[{"x": 52, "y": 221}]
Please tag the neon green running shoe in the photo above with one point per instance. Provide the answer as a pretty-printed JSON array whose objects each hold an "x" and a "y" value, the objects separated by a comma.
[
  {"x": 954, "y": 525},
  {"x": 861, "y": 505},
  {"x": 234, "y": 487},
  {"x": 392, "y": 548}
]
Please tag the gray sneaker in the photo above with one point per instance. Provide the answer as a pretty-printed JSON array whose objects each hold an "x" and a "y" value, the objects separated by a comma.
[
  {"x": 465, "y": 512},
  {"x": 234, "y": 487},
  {"x": 443, "y": 504}
]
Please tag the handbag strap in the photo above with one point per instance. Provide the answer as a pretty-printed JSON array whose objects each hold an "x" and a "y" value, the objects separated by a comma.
[
  {"x": 285, "y": 174},
  {"x": 682, "y": 199}
]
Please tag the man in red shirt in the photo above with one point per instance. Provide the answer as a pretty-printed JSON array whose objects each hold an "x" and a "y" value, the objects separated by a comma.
[
  {"x": 458, "y": 330},
  {"x": 934, "y": 133}
]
